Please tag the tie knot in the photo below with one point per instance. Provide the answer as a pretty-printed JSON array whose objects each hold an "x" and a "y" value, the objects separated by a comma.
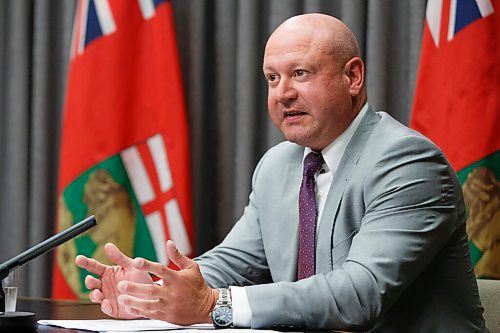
[{"x": 312, "y": 163}]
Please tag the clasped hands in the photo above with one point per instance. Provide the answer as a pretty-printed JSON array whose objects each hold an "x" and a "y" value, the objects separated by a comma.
[{"x": 127, "y": 291}]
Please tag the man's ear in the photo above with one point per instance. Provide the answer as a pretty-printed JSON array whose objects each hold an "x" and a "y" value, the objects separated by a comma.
[{"x": 355, "y": 71}]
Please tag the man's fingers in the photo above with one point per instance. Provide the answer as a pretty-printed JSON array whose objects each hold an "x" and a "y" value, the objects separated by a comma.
[
  {"x": 107, "y": 309},
  {"x": 160, "y": 270},
  {"x": 136, "y": 306},
  {"x": 148, "y": 291},
  {"x": 135, "y": 312},
  {"x": 152, "y": 267},
  {"x": 96, "y": 296},
  {"x": 179, "y": 259},
  {"x": 92, "y": 283},
  {"x": 90, "y": 265},
  {"x": 94, "y": 266},
  {"x": 117, "y": 256}
]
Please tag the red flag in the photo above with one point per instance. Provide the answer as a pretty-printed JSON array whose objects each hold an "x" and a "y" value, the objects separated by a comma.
[
  {"x": 125, "y": 150},
  {"x": 457, "y": 105}
]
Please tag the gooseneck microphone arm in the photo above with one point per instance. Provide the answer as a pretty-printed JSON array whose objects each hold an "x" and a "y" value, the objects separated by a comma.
[{"x": 42, "y": 248}]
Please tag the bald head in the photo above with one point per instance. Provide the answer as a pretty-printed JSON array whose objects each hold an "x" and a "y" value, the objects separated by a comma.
[
  {"x": 315, "y": 79},
  {"x": 330, "y": 34}
]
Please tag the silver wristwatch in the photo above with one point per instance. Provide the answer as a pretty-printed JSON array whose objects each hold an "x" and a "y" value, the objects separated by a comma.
[{"x": 222, "y": 314}]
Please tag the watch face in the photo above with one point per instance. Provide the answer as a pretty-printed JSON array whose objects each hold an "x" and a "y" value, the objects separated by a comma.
[{"x": 223, "y": 316}]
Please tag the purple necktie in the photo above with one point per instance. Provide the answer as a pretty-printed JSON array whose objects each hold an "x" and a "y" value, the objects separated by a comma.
[{"x": 307, "y": 216}]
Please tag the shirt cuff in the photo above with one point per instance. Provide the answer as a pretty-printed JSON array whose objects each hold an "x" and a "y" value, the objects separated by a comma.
[{"x": 242, "y": 313}]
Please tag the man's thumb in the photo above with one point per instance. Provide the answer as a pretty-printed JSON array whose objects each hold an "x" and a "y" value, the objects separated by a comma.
[{"x": 179, "y": 259}]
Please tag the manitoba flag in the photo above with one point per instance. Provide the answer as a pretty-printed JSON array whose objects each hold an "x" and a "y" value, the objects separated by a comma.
[
  {"x": 124, "y": 151},
  {"x": 457, "y": 105}
]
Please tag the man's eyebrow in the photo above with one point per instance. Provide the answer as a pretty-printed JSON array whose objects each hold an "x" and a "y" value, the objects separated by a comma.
[
  {"x": 291, "y": 65},
  {"x": 267, "y": 68}
]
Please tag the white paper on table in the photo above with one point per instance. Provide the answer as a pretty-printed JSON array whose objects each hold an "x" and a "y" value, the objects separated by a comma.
[
  {"x": 115, "y": 325},
  {"x": 181, "y": 330},
  {"x": 189, "y": 329}
]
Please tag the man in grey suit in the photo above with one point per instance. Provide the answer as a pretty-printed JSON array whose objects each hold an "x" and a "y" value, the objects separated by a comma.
[{"x": 387, "y": 249}]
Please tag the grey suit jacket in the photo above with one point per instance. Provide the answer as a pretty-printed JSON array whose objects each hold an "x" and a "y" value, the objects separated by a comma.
[{"x": 392, "y": 252}]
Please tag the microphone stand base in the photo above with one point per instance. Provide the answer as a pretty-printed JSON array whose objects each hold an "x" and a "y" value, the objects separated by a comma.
[{"x": 18, "y": 322}]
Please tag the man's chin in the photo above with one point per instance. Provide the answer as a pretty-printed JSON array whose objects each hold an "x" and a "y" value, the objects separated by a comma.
[
  {"x": 305, "y": 143},
  {"x": 297, "y": 140},
  {"x": 295, "y": 133}
]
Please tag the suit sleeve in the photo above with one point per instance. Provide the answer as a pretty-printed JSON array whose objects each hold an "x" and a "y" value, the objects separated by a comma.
[{"x": 412, "y": 203}]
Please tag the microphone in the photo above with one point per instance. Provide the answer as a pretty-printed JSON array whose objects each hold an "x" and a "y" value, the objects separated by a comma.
[{"x": 8, "y": 319}]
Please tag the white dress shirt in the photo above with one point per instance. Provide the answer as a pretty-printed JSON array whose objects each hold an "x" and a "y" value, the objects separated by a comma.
[{"x": 242, "y": 313}]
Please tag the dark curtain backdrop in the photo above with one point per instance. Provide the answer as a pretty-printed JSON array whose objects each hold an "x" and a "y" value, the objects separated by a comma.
[{"x": 220, "y": 44}]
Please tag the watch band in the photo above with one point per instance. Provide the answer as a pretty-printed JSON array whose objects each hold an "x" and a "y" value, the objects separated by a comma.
[
  {"x": 222, "y": 314},
  {"x": 224, "y": 297}
]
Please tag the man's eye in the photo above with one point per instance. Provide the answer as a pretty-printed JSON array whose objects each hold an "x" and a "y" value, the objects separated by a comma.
[
  {"x": 272, "y": 77},
  {"x": 299, "y": 72}
]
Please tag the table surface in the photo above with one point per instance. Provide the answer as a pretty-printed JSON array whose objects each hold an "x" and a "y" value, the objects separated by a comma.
[{"x": 44, "y": 308}]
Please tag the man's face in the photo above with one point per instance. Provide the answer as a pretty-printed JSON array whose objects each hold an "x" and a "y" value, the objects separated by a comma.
[{"x": 309, "y": 98}]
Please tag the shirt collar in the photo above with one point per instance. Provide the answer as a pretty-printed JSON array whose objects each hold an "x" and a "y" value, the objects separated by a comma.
[{"x": 334, "y": 151}]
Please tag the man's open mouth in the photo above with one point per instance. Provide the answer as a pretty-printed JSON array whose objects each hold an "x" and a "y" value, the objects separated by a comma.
[{"x": 294, "y": 113}]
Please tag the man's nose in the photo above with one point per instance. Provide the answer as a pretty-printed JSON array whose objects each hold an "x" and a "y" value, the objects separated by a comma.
[{"x": 286, "y": 91}]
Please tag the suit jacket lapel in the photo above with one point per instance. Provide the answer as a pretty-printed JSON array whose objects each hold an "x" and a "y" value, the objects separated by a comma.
[
  {"x": 346, "y": 166},
  {"x": 289, "y": 234}
]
